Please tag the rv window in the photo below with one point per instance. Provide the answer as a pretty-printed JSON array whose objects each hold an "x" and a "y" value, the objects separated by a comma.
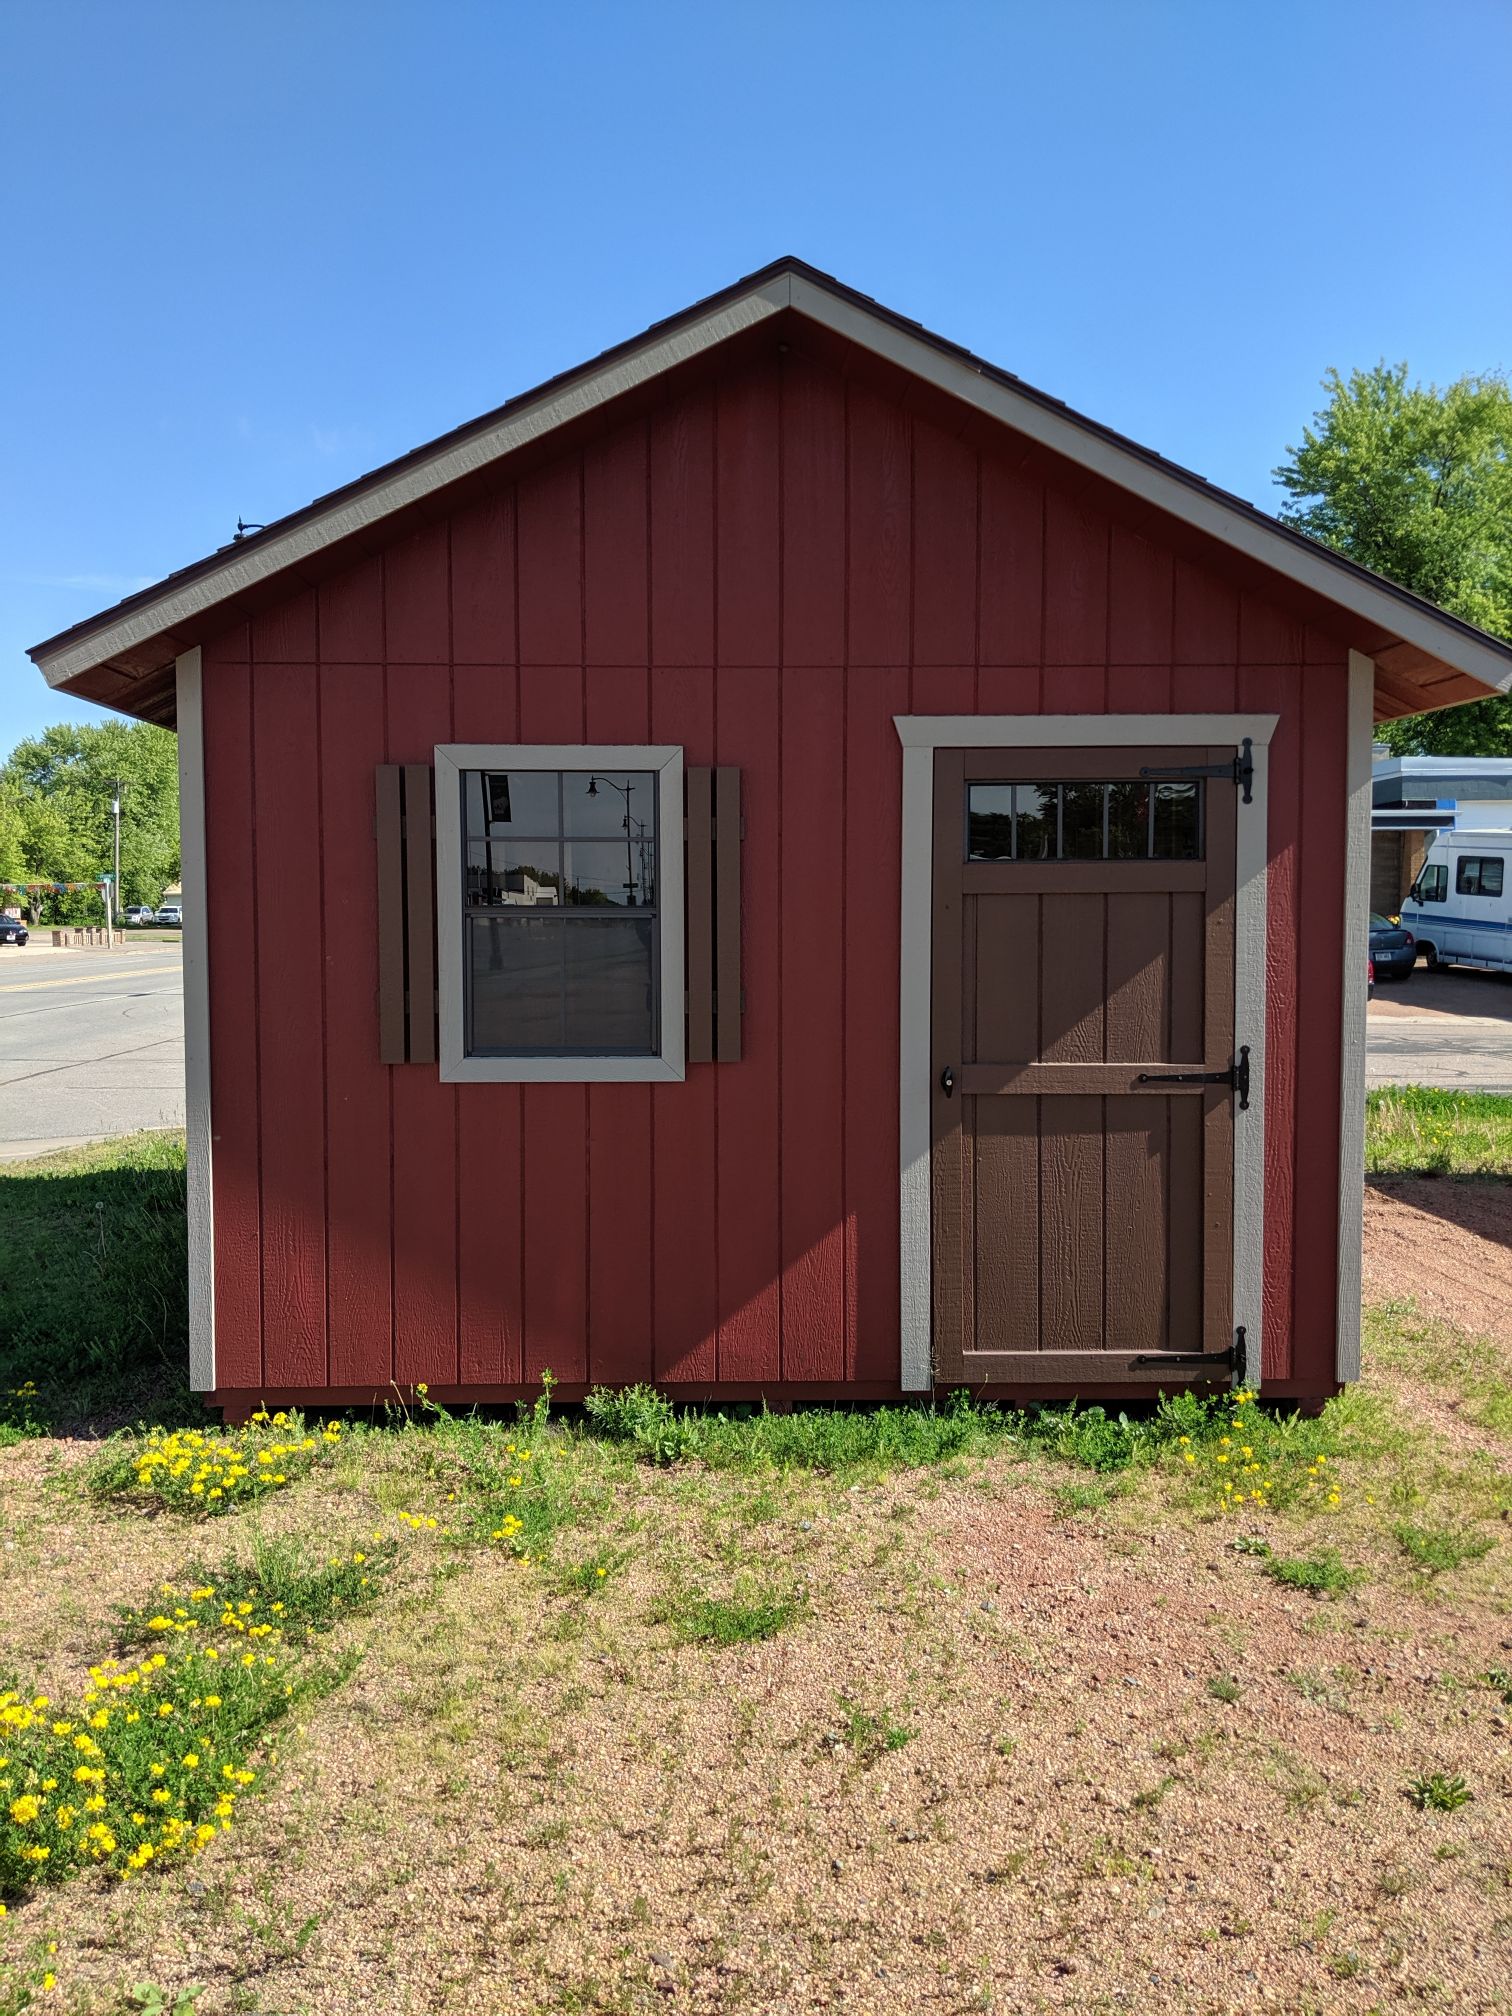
[
  {"x": 1479, "y": 875},
  {"x": 1432, "y": 885}
]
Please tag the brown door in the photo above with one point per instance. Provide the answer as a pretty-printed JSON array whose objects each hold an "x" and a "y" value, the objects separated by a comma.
[{"x": 1083, "y": 954}]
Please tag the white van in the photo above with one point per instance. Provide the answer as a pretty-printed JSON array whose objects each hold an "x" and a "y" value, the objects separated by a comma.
[{"x": 1460, "y": 907}]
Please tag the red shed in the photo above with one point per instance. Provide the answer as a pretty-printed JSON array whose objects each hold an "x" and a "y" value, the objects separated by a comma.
[{"x": 784, "y": 863}]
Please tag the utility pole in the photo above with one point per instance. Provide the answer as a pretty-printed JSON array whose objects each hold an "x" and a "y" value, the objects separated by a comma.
[{"x": 115, "y": 808}]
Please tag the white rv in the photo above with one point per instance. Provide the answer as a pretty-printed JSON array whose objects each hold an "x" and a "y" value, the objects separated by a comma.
[{"x": 1460, "y": 907}]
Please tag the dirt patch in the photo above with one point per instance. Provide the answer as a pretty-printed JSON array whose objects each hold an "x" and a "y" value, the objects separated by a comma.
[{"x": 1447, "y": 1245}]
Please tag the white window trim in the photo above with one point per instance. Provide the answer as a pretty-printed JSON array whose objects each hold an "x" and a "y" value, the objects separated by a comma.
[
  {"x": 452, "y": 758},
  {"x": 921, "y": 735}
]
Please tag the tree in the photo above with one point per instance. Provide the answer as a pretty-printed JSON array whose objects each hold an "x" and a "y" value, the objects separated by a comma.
[
  {"x": 1416, "y": 483},
  {"x": 55, "y": 818}
]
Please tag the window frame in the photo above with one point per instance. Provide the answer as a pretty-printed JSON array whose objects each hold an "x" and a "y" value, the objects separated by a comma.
[{"x": 457, "y": 1066}]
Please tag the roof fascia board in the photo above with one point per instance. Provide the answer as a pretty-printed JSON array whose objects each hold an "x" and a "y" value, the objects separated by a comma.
[
  {"x": 1086, "y": 448},
  {"x": 181, "y": 606}
]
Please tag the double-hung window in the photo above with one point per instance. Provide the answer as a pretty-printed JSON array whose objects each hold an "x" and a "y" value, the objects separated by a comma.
[{"x": 560, "y": 912}]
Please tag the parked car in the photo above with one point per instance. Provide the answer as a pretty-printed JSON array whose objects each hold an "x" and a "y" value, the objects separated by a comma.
[
  {"x": 1393, "y": 949},
  {"x": 1460, "y": 907},
  {"x": 12, "y": 931},
  {"x": 171, "y": 913},
  {"x": 138, "y": 913}
]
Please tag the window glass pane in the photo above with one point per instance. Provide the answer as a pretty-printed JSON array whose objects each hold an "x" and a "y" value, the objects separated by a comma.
[
  {"x": 515, "y": 975},
  {"x": 502, "y": 803},
  {"x": 513, "y": 874},
  {"x": 1081, "y": 822},
  {"x": 1479, "y": 875},
  {"x": 1037, "y": 838},
  {"x": 989, "y": 822},
  {"x": 600, "y": 813},
  {"x": 609, "y": 996},
  {"x": 1128, "y": 822},
  {"x": 611, "y": 872},
  {"x": 1177, "y": 836}
]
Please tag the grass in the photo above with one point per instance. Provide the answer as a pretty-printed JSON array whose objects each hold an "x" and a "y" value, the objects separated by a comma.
[
  {"x": 730, "y": 1620},
  {"x": 93, "y": 1285},
  {"x": 1411, "y": 1130},
  {"x": 1436, "y": 1550}
]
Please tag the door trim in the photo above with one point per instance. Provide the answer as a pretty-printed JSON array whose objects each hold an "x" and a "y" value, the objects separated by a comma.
[{"x": 921, "y": 735}]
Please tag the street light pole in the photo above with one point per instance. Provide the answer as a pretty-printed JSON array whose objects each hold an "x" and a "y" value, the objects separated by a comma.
[{"x": 115, "y": 886}]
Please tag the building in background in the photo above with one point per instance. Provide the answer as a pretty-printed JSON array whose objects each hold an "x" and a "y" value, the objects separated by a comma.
[{"x": 1414, "y": 797}]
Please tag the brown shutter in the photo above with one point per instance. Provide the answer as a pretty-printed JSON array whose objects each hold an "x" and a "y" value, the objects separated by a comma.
[
  {"x": 406, "y": 832},
  {"x": 712, "y": 879}
]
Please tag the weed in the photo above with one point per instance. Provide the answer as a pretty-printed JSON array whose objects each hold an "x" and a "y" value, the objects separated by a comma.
[
  {"x": 1070, "y": 1498},
  {"x": 721, "y": 1620},
  {"x": 1500, "y": 1678},
  {"x": 872, "y": 1736},
  {"x": 1435, "y": 1550},
  {"x": 1147, "y": 1800},
  {"x": 208, "y": 1472},
  {"x": 1224, "y": 1687},
  {"x": 280, "y": 1591},
  {"x": 151, "y": 2000},
  {"x": 1437, "y": 1792},
  {"x": 1319, "y": 1574}
]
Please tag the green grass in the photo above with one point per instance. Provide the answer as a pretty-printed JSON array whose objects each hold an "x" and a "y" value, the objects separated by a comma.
[
  {"x": 282, "y": 1583},
  {"x": 1319, "y": 1574},
  {"x": 730, "y": 1620},
  {"x": 93, "y": 1288},
  {"x": 1400, "y": 1338},
  {"x": 1411, "y": 1130}
]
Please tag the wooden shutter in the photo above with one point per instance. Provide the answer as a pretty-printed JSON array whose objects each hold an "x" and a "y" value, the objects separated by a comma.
[
  {"x": 712, "y": 832},
  {"x": 406, "y": 830}
]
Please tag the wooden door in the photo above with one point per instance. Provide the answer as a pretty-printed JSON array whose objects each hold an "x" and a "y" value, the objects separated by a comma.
[{"x": 1083, "y": 966}]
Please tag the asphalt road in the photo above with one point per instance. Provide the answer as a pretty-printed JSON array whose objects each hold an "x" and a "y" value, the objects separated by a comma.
[{"x": 91, "y": 1045}]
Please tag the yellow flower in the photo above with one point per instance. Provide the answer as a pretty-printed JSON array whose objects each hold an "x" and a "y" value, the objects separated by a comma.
[{"x": 25, "y": 1809}]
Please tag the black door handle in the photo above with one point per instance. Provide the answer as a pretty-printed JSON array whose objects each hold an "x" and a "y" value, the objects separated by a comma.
[{"x": 947, "y": 1081}]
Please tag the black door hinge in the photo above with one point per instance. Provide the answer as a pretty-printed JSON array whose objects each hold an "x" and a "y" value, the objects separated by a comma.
[
  {"x": 1240, "y": 771},
  {"x": 1234, "y": 1360},
  {"x": 1237, "y": 1077}
]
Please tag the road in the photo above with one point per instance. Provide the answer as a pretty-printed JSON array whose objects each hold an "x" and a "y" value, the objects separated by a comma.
[{"x": 91, "y": 1045}]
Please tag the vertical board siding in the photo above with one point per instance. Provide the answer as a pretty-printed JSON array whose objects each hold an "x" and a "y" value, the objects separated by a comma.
[
  {"x": 425, "y": 1130},
  {"x": 765, "y": 569},
  {"x": 359, "y": 1229},
  {"x": 290, "y": 1019}
]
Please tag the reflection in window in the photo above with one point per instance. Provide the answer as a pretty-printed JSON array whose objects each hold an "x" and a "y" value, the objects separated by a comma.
[
  {"x": 1084, "y": 821},
  {"x": 550, "y": 856},
  {"x": 1479, "y": 875}
]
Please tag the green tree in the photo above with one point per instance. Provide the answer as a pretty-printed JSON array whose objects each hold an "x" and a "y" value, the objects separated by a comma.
[
  {"x": 1416, "y": 483},
  {"x": 55, "y": 817}
]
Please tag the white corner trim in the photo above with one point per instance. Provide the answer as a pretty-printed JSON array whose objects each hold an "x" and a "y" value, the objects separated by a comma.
[
  {"x": 196, "y": 955},
  {"x": 921, "y": 735},
  {"x": 457, "y": 1067},
  {"x": 1347, "y": 1316}
]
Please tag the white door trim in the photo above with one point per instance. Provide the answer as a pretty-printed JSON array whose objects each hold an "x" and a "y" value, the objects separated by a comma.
[
  {"x": 1361, "y": 705},
  {"x": 921, "y": 735},
  {"x": 196, "y": 952}
]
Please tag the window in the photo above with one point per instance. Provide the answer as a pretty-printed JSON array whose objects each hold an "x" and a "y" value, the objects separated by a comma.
[
  {"x": 1432, "y": 885},
  {"x": 1124, "y": 821},
  {"x": 559, "y": 912},
  {"x": 1479, "y": 875}
]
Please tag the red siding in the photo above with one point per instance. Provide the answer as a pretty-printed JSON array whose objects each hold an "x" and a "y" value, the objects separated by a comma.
[{"x": 766, "y": 569}]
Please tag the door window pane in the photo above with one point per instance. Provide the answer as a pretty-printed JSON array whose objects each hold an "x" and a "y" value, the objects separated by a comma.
[
  {"x": 1082, "y": 822},
  {"x": 1177, "y": 835},
  {"x": 989, "y": 822},
  {"x": 1038, "y": 821},
  {"x": 1128, "y": 822}
]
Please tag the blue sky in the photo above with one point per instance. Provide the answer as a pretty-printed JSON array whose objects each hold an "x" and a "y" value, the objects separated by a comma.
[{"x": 251, "y": 251}]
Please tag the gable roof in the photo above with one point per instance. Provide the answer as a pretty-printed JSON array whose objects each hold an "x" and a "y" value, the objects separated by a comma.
[{"x": 123, "y": 657}]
